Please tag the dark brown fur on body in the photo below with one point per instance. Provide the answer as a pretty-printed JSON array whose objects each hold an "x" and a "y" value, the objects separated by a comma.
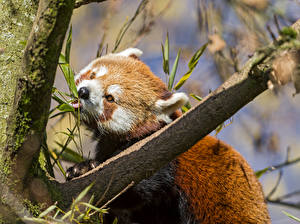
[{"x": 210, "y": 183}]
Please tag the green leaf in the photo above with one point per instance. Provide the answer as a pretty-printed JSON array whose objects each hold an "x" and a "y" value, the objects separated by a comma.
[
  {"x": 66, "y": 108},
  {"x": 66, "y": 215},
  {"x": 219, "y": 128},
  {"x": 194, "y": 60},
  {"x": 50, "y": 209},
  {"x": 173, "y": 72},
  {"x": 115, "y": 221},
  {"x": 62, "y": 59},
  {"x": 259, "y": 173},
  {"x": 68, "y": 46},
  {"x": 291, "y": 216},
  {"x": 192, "y": 64},
  {"x": 35, "y": 220},
  {"x": 57, "y": 114},
  {"x": 82, "y": 194},
  {"x": 165, "y": 52},
  {"x": 57, "y": 99},
  {"x": 68, "y": 74},
  {"x": 55, "y": 158},
  {"x": 196, "y": 97},
  {"x": 184, "y": 109},
  {"x": 68, "y": 154},
  {"x": 94, "y": 207}
]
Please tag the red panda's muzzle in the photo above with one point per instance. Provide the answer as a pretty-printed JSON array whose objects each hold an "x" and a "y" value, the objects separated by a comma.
[{"x": 76, "y": 104}]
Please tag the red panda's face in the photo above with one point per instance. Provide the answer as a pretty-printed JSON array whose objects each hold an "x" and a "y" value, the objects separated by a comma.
[{"x": 121, "y": 95}]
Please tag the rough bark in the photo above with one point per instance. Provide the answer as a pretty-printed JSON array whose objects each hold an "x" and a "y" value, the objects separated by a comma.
[
  {"x": 29, "y": 74},
  {"x": 16, "y": 19}
]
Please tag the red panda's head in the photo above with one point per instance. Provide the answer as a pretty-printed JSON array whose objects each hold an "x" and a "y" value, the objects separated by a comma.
[{"x": 120, "y": 95}]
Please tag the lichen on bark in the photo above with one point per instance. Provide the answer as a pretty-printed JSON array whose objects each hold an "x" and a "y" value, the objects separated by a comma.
[{"x": 26, "y": 79}]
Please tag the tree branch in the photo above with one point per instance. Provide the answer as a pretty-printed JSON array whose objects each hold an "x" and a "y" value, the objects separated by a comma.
[
  {"x": 151, "y": 154},
  {"x": 79, "y": 3}
]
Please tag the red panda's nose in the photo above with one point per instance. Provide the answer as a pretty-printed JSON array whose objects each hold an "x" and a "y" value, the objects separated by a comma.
[{"x": 83, "y": 93}]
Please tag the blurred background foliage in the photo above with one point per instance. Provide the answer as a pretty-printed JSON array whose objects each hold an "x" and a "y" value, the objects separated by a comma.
[{"x": 266, "y": 132}]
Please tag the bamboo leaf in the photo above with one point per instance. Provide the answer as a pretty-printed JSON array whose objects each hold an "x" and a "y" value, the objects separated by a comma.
[
  {"x": 196, "y": 97},
  {"x": 173, "y": 72},
  {"x": 68, "y": 46},
  {"x": 194, "y": 60},
  {"x": 48, "y": 210},
  {"x": 219, "y": 128},
  {"x": 69, "y": 155},
  {"x": 259, "y": 173},
  {"x": 192, "y": 64},
  {"x": 82, "y": 194},
  {"x": 94, "y": 207},
  {"x": 165, "y": 51},
  {"x": 65, "y": 107},
  {"x": 291, "y": 216},
  {"x": 66, "y": 215},
  {"x": 68, "y": 74}
]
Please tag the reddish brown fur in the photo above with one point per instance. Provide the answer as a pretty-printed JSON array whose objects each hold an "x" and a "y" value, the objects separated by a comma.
[
  {"x": 108, "y": 111},
  {"x": 220, "y": 185},
  {"x": 141, "y": 89}
]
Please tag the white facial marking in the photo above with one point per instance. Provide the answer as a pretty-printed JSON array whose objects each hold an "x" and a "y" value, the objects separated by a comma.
[
  {"x": 114, "y": 89},
  {"x": 130, "y": 51},
  {"x": 95, "y": 103},
  {"x": 122, "y": 121},
  {"x": 100, "y": 71}
]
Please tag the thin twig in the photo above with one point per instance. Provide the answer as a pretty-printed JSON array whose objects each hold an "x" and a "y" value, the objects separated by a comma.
[
  {"x": 277, "y": 23},
  {"x": 124, "y": 29},
  {"x": 117, "y": 195},
  {"x": 271, "y": 33},
  {"x": 276, "y": 185},
  {"x": 146, "y": 28},
  {"x": 292, "y": 205},
  {"x": 289, "y": 195},
  {"x": 106, "y": 190}
]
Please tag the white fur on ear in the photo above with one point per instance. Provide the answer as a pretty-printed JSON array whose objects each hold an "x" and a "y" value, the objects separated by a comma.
[
  {"x": 170, "y": 105},
  {"x": 130, "y": 52}
]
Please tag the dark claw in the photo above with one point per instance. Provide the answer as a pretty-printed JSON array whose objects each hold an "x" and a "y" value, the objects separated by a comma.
[{"x": 80, "y": 168}]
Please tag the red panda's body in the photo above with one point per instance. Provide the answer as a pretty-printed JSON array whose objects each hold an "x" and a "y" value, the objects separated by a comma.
[{"x": 122, "y": 102}]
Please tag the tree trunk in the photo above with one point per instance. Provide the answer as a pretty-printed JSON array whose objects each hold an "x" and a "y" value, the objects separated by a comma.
[
  {"x": 16, "y": 20},
  {"x": 27, "y": 75}
]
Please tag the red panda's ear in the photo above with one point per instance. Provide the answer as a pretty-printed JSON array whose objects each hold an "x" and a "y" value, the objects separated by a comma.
[
  {"x": 170, "y": 105},
  {"x": 130, "y": 52}
]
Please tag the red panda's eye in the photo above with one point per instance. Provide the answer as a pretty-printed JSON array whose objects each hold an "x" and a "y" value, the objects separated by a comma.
[
  {"x": 109, "y": 98},
  {"x": 93, "y": 75}
]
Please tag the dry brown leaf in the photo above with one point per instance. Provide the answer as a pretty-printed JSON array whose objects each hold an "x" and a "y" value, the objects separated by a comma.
[
  {"x": 258, "y": 4},
  {"x": 285, "y": 69},
  {"x": 216, "y": 43}
]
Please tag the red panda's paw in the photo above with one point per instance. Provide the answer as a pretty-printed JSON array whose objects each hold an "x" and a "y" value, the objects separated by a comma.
[{"x": 80, "y": 169}]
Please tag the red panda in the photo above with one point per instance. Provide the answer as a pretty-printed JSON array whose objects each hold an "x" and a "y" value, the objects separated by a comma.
[{"x": 122, "y": 101}]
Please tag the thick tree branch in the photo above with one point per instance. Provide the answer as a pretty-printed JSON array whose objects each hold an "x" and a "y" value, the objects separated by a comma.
[{"x": 151, "y": 154}]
